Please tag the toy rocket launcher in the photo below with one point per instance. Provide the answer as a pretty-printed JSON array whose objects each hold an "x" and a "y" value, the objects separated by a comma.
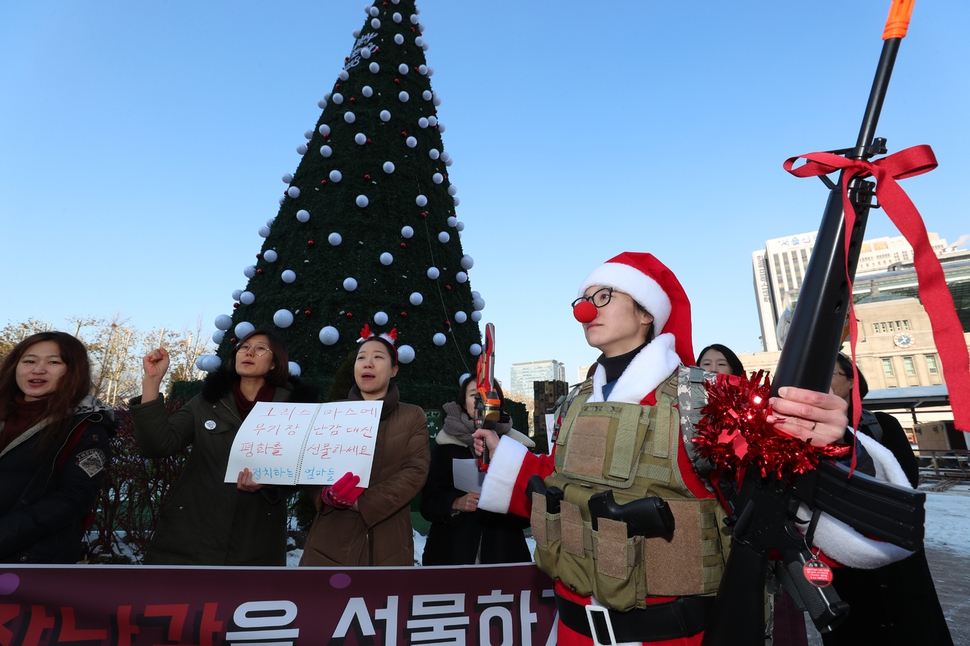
[{"x": 488, "y": 406}]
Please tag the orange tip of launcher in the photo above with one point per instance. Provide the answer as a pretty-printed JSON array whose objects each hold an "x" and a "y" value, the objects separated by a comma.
[{"x": 898, "y": 21}]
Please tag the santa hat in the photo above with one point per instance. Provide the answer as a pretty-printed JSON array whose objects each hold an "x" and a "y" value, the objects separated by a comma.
[{"x": 655, "y": 288}]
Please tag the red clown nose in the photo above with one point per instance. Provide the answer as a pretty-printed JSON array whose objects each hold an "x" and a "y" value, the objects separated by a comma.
[{"x": 584, "y": 312}]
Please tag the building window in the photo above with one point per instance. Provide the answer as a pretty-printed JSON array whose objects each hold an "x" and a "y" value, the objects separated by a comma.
[
  {"x": 875, "y": 328},
  {"x": 891, "y": 327},
  {"x": 910, "y": 366},
  {"x": 931, "y": 365},
  {"x": 899, "y": 326},
  {"x": 905, "y": 325},
  {"x": 887, "y": 367},
  {"x": 883, "y": 327}
]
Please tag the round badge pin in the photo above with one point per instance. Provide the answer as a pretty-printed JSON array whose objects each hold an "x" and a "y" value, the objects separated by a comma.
[
  {"x": 210, "y": 424},
  {"x": 817, "y": 573}
]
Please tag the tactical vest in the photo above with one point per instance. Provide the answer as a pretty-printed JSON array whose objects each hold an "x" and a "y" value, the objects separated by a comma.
[{"x": 632, "y": 450}]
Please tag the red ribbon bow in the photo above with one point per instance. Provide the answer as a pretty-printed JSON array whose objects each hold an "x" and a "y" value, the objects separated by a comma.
[{"x": 933, "y": 292}]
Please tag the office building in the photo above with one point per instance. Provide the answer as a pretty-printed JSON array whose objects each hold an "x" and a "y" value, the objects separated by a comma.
[{"x": 523, "y": 374}]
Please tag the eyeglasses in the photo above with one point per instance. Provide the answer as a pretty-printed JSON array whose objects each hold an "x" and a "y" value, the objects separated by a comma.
[
  {"x": 599, "y": 298},
  {"x": 259, "y": 350},
  {"x": 841, "y": 374}
]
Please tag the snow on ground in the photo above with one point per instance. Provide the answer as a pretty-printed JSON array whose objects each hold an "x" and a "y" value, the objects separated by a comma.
[{"x": 948, "y": 519}]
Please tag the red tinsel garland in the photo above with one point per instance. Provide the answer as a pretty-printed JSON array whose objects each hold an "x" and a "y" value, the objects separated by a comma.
[{"x": 735, "y": 435}]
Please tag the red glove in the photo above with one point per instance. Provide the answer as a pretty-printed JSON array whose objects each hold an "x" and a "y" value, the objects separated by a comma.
[{"x": 343, "y": 493}]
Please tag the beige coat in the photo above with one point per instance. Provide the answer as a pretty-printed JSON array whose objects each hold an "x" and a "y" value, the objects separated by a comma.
[{"x": 380, "y": 533}]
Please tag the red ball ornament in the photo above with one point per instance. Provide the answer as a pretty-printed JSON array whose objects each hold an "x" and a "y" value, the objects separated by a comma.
[
  {"x": 323, "y": 182},
  {"x": 259, "y": 271},
  {"x": 327, "y": 136},
  {"x": 404, "y": 315},
  {"x": 369, "y": 140},
  {"x": 412, "y": 28},
  {"x": 350, "y": 315},
  {"x": 404, "y": 134},
  {"x": 397, "y": 80},
  {"x": 448, "y": 288},
  {"x": 309, "y": 243},
  {"x": 367, "y": 176},
  {"x": 353, "y": 100},
  {"x": 415, "y": 69},
  {"x": 424, "y": 214},
  {"x": 233, "y": 340},
  {"x": 258, "y": 256},
  {"x": 404, "y": 245},
  {"x": 336, "y": 85},
  {"x": 307, "y": 312},
  {"x": 346, "y": 58},
  {"x": 448, "y": 323},
  {"x": 235, "y": 304},
  {"x": 584, "y": 312}
]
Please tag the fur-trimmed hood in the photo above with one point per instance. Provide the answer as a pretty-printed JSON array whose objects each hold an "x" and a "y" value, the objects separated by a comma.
[{"x": 218, "y": 384}]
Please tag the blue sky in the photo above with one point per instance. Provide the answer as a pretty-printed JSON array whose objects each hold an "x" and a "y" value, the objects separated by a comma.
[{"x": 142, "y": 144}]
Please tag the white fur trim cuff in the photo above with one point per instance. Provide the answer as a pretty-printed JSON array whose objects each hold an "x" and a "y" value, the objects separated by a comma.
[
  {"x": 644, "y": 289},
  {"x": 503, "y": 469}
]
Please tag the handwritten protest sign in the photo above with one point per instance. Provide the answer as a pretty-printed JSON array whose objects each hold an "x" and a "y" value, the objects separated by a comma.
[{"x": 288, "y": 444}]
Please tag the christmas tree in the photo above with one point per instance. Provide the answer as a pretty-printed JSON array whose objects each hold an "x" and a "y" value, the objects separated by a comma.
[{"x": 367, "y": 232}]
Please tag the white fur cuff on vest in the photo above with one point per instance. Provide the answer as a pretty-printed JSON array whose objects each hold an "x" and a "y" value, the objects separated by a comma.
[
  {"x": 503, "y": 470},
  {"x": 650, "y": 368}
]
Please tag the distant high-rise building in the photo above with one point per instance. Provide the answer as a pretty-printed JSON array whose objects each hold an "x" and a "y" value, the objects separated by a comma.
[
  {"x": 581, "y": 373},
  {"x": 779, "y": 270},
  {"x": 523, "y": 374}
]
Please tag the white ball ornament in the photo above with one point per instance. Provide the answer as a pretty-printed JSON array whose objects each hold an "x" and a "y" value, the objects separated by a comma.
[
  {"x": 367, "y": 91},
  {"x": 242, "y": 329},
  {"x": 236, "y": 293},
  {"x": 344, "y": 75},
  {"x": 329, "y": 335},
  {"x": 460, "y": 226},
  {"x": 303, "y": 215},
  {"x": 270, "y": 222},
  {"x": 287, "y": 178},
  {"x": 411, "y": 142},
  {"x": 355, "y": 33},
  {"x": 218, "y": 336},
  {"x": 288, "y": 276},
  {"x": 403, "y": 96},
  {"x": 439, "y": 339},
  {"x": 399, "y": 39},
  {"x": 295, "y": 370},
  {"x": 350, "y": 284},
  {"x": 432, "y": 120},
  {"x": 308, "y": 134},
  {"x": 476, "y": 316},
  {"x": 443, "y": 237},
  {"x": 293, "y": 192},
  {"x": 388, "y": 167},
  {"x": 430, "y": 71},
  {"x": 475, "y": 349},
  {"x": 301, "y": 149},
  {"x": 422, "y": 69},
  {"x": 326, "y": 151},
  {"x": 445, "y": 157},
  {"x": 405, "y": 354},
  {"x": 396, "y": 17},
  {"x": 373, "y": 11},
  {"x": 334, "y": 239},
  {"x": 270, "y": 255},
  {"x": 385, "y": 116},
  {"x": 433, "y": 153},
  {"x": 467, "y": 262},
  {"x": 360, "y": 139},
  {"x": 452, "y": 221},
  {"x": 223, "y": 322},
  {"x": 437, "y": 178},
  {"x": 324, "y": 129},
  {"x": 416, "y": 298},
  {"x": 419, "y": 41},
  {"x": 362, "y": 201},
  {"x": 336, "y": 176},
  {"x": 249, "y": 271},
  {"x": 461, "y": 277},
  {"x": 433, "y": 273},
  {"x": 208, "y": 363},
  {"x": 478, "y": 303},
  {"x": 375, "y": 23},
  {"x": 337, "y": 98},
  {"x": 423, "y": 122},
  {"x": 263, "y": 232},
  {"x": 460, "y": 317},
  {"x": 407, "y": 232},
  {"x": 283, "y": 318},
  {"x": 414, "y": 19},
  {"x": 282, "y": 199},
  {"x": 426, "y": 95},
  {"x": 421, "y": 200},
  {"x": 349, "y": 117},
  {"x": 374, "y": 68},
  {"x": 386, "y": 259},
  {"x": 380, "y": 318},
  {"x": 365, "y": 53},
  {"x": 322, "y": 104},
  {"x": 452, "y": 190},
  {"x": 402, "y": 69}
]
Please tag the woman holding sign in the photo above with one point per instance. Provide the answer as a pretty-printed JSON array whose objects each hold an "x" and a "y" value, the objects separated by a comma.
[
  {"x": 208, "y": 521},
  {"x": 357, "y": 526}
]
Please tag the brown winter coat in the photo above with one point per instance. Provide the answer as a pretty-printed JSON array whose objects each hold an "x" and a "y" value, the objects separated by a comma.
[{"x": 380, "y": 533}]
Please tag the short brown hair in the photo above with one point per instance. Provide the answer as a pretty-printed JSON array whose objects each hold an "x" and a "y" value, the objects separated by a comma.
[{"x": 279, "y": 374}]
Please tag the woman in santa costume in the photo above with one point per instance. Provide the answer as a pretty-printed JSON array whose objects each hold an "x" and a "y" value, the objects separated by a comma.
[{"x": 622, "y": 436}]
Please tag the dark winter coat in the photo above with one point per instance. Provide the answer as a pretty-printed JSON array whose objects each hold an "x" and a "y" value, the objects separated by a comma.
[
  {"x": 455, "y": 538},
  {"x": 895, "y": 604},
  {"x": 44, "y": 498},
  {"x": 207, "y": 521},
  {"x": 380, "y": 534}
]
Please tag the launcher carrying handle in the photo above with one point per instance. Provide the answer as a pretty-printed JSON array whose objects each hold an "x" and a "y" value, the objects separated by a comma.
[{"x": 898, "y": 21}]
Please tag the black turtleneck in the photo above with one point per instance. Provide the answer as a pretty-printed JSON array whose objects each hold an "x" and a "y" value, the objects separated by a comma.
[{"x": 614, "y": 366}]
